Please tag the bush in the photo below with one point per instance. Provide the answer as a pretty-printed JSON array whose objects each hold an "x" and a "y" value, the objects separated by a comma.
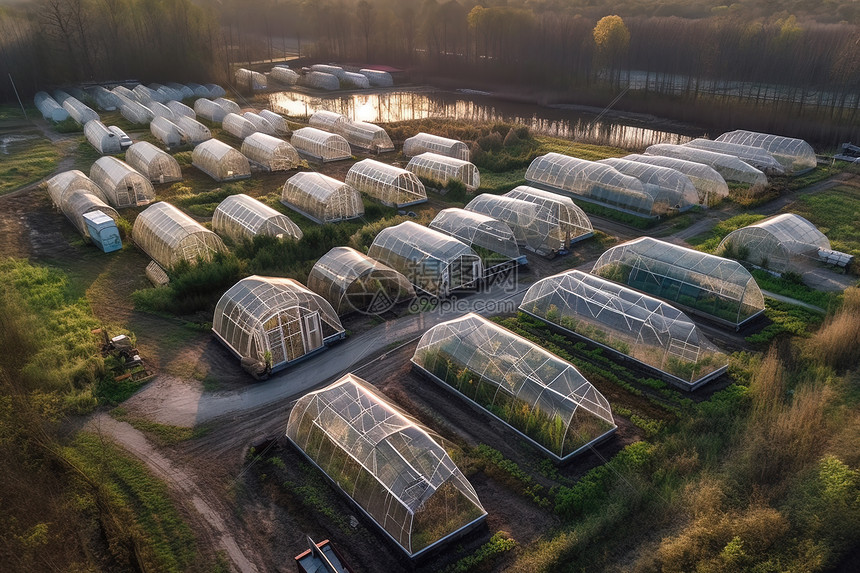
[
  {"x": 491, "y": 142},
  {"x": 837, "y": 343}
]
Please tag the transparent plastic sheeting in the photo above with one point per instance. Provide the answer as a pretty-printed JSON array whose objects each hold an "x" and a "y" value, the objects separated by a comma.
[
  {"x": 261, "y": 124},
  {"x": 335, "y": 71},
  {"x": 534, "y": 226},
  {"x": 74, "y": 201},
  {"x": 479, "y": 232},
  {"x": 321, "y": 198},
  {"x": 68, "y": 181},
  {"x": 366, "y": 136},
  {"x": 424, "y": 142},
  {"x": 209, "y": 110},
  {"x": 179, "y": 109},
  {"x": 79, "y": 111},
  {"x": 755, "y": 156},
  {"x": 242, "y": 217},
  {"x": 250, "y": 79},
  {"x": 185, "y": 92},
  {"x": 536, "y": 393},
  {"x": 227, "y": 105},
  {"x": 134, "y": 111},
  {"x": 387, "y": 184},
  {"x": 390, "y": 465},
  {"x": 327, "y": 120},
  {"x": 49, "y": 108},
  {"x": 277, "y": 121},
  {"x": 709, "y": 184},
  {"x": 220, "y": 161},
  {"x": 728, "y": 166},
  {"x": 215, "y": 91},
  {"x": 378, "y": 78},
  {"x": 320, "y": 145},
  {"x": 161, "y": 110},
  {"x": 628, "y": 322},
  {"x": 275, "y": 320},
  {"x": 284, "y": 76},
  {"x": 670, "y": 188},
  {"x": 434, "y": 262},
  {"x": 442, "y": 169},
  {"x": 572, "y": 222},
  {"x": 121, "y": 184},
  {"x": 169, "y": 94},
  {"x": 166, "y": 131},
  {"x": 321, "y": 80},
  {"x": 353, "y": 282},
  {"x": 101, "y": 138},
  {"x": 105, "y": 99},
  {"x": 270, "y": 153},
  {"x": 153, "y": 163},
  {"x": 707, "y": 284},
  {"x": 795, "y": 155},
  {"x": 787, "y": 242},
  {"x": 193, "y": 132},
  {"x": 356, "y": 80},
  {"x": 237, "y": 126},
  {"x": 169, "y": 236}
]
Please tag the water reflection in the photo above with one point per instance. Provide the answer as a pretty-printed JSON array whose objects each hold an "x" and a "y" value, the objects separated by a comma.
[{"x": 408, "y": 105}]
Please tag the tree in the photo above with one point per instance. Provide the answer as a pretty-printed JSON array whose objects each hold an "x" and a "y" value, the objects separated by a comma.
[
  {"x": 612, "y": 40},
  {"x": 365, "y": 18}
]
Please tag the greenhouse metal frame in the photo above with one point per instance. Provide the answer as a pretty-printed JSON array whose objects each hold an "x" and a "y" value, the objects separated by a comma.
[
  {"x": 274, "y": 321},
  {"x": 671, "y": 189},
  {"x": 169, "y": 236},
  {"x": 49, "y": 107},
  {"x": 728, "y": 166},
  {"x": 481, "y": 233},
  {"x": 68, "y": 181},
  {"x": 390, "y": 185},
  {"x": 755, "y": 156},
  {"x": 261, "y": 124},
  {"x": 79, "y": 201},
  {"x": 378, "y": 78},
  {"x": 79, "y": 111},
  {"x": 328, "y": 121},
  {"x": 573, "y": 224},
  {"x": 424, "y": 142},
  {"x": 180, "y": 109},
  {"x": 390, "y": 466},
  {"x": 270, "y": 153},
  {"x": 321, "y": 198},
  {"x": 356, "y": 80},
  {"x": 278, "y": 122},
  {"x": 238, "y": 126},
  {"x": 432, "y": 261},
  {"x": 220, "y": 161},
  {"x": 121, "y": 184},
  {"x": 715, "y": 287},
  {"x": 242, "y": 217},
  {"x": 442, "y": 169},
  {"x": 353, "y": 282},
  {"x": 101, "y": 138},
  {"x": 320, "y": 145},
  {"x": 627, "y": 323},
  {"x": 709, "y": 184},
  {"x": 321, "y": 81},
  {"x": 285, "y": 76},
  {"x": 250, "y": 79},
  {"x": 153, "y": 163},
  {"x": 193, "y": 132},
  {"x": 209, "y": 110},
  {"x": 166, "y": 131},
  {"x": 367, "y": 136},
  {"x": 535, "y": 227},
  {"x": 541, "y": 397},
  {"x": 795, "y": 155}
]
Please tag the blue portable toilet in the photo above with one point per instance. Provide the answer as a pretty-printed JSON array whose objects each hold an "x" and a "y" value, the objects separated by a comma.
[{"x": 103, "y": 231}]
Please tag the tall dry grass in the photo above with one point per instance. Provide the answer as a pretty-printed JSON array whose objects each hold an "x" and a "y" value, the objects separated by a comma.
[{"x": 837, "y": 343}]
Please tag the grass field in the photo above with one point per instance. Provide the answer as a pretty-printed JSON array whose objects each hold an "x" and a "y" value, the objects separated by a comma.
[
  {"x": 26, "y": 161},
  {"x": 836, "y": 213}
]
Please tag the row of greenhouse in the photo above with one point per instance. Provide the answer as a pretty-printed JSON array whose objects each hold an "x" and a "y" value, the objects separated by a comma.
[{"x": 318, "y": 76}]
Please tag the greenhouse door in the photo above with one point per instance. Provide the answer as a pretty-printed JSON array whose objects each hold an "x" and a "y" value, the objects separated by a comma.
[{"x": 311, "y": 331}]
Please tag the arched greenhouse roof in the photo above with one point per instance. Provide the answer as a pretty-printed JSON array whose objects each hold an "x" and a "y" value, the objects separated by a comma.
[
  {"x": 243, "y": 217},
  {"x": 209, "y": 110},
  {"x": 423, "y": 142},
  {"x": 536, "y": 393},
  {"x": 68, "y": 181},
  {"x": 336, "y": 71},
  {"x": 229, "y": 106},
  {"x": 165, "y": 131},
  {"x": 574, "y": 224},
  {"x": 105, "y": 99},
  {"x": 49, "y": 108},
  {"x": 271, "y": 153},
  {"x": 261, "y": 124},
  {"x": 671, "y": 189},
  {"x": 442, "y": 169},
  {"x": 321, "y": 198},
  {"x": 284, "y": 75},
  {"x": 320, "y": 145},
  {"x": 250, "y": 79},
  {"x": 479, "y": 232},
  {"x": 277, "y": 121},
  {"x": 121, "y": 184},
  {"x": 237, "y": 126},
  {"x": 378, "y": 78},
  {"x": 366, "y": 136},
  {"x": 178, "y": 108},
  {"x": 169, "y": 236},
  {"x": 192, "y": 130},
  {"x": 101, "y": 138},
  {"x": 391, "y": 466},
  {"x": 75, "y": 203},
  {"x": 755, "y": 156},
  {"x": 795, "y": 155},
  {"x": 709, "y": 184},
  {"x": 728, "y": 166},
  {"x": 327, "y": 120},
  {"x": 220, "y": 161},
  {"x": 321, "y": 80},
  {"x": 387, "y": 184},
  {"x": 153, "y": 163},
  {"x": 79, "y": 111},
  {"x": 534, "y": 226},
  {"x": 356, "y": 80}
]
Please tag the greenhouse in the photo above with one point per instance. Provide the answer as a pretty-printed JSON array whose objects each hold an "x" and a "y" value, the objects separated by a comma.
[
  {"x": 284, "y": 76},
  {"x": 493, "y": 240},
  {"x": 434, "y": 262},
  {"x": 389, "y": 465},
  {"x": 387, "y": 184},
  {"x": 161, "y": 110},
  {"x": 241, "y": 217},
  {"x": 795, "y": 155},
  {"x": 166, "y": 131},
  {"x": 220, "y": 161},
  {"x": 322, "y": 81},
  {"x": 185, "y": 92},
  {"x": 68, "y": 181},
  {"x": 356, "y": 80},
  {"x": 718, "y": 288},
  {"x": 367, "y": 136},
  {"x": 215, "y": 91},
  {"x": 628, "y": 323},
  {"x": 227, "y": 105},
  {"x": 261, "y": 125},
  {"x": 709, "y": 184},
  {"x": 442, "y": 169},
  {"x": 250, "y": 79},
  {"x": 61, "y": 96},
  {"x": 101, "y": 138},
  {"x": 573, "y": 224},
  {"x": 321, "y": 198},
  {"x": 200, "y": 91},
  {"x": 353, "y": 282},
  {"x": 49, "y": 108},
  {"x": 153, "y": 163},
  {"x": 121, "y": 184},
  {"x": 543, "y": 398},
  {"x": 77, "y": 202},
  {"x": 270, "y": 153},
  {"x": 424, "y": 142},
  {"x": 180, "y": 109},
  {"x": 591, "y": 181},
  {"x": 169, "y": 236},
  {"x": 209, "y": 110},
  {"x": 755, "y": 156},
  {"x": 320, "y": 145},
  {"x": 534, "y": 226},
  {"x": 105, "y": 99},
  {"x": 273, "y": 322},
  {"x": 193, "y": 132},
  {"x": 78, "y": 111},
  {"x": 671, "y": 189},
  {"x": 277, "y": 121},
  {"x": 328, "y": 121},
  {"x": 134, "y": 111},
  {"x": 378, "y": 78},
  {"x": 124, "y": 92},
  {"x": 728, "y": 166},
  {"x": 787, "y": 242},
  {"x": 167, "y": 94},
  {"x": 238, "y": 126},
  {"x": 335, "y": 71},
  {"x": 146, "y": 96}
]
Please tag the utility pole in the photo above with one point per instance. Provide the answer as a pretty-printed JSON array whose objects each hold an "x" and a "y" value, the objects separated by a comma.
[{"x": 19, "y": 97}]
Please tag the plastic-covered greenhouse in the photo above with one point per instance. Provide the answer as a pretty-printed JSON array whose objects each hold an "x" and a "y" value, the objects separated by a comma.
[
  {"x": 321, "y": 80},
  {"x": 795, "y": 155},
  {"x": 67, "y": 181},
  {"x": 270, "y": 153},
  {"x": 77, "y": 202},
  {"x": 274, "y": 321},
  {"x": 250, "y": 79},
  {"x": 591, "y": 181},
  {"x": 378, "y": 78},
  {"x": 535, "y": 227},
  {"x": 277, "y": 121},
  {"x": 220, "y": 161},
  {"x": 49, "y": 108},
  {"x": 193, "y": 132},
  {"x": 356, "y": 80},
  {"x": 146, "y": 96},
  {"x": 241, "y": 217},
  {"x": 101, "y": 138},
  {"x": 161, "y": 110},
  {"x": 61, "y": 96},
  {"x": 367, "y": 136},
  {"x": 493, "y": 240},
  {"x": 787, "y": 242},
  {"x": 442, "y": 169},
  {"x": 237, "y": 126},
  {"x": 152, "y": 162},
  {"x": 209, "y": 110},
  {"x": 705, "y": 284},
  {"x": 728, "y": 166},
  {"x": 709, "y": 184},
  {"x": 573, "y": 224},
  {"x": 104, "y": 98},
  {"x": 134, "y": 111},
  {"x": 199, "y": 90},
  {"x": 328, "y": 121},
  {"x": 351, "y": 281},
  {"x": 215, "y": 91},
  {"x": 284, "y": 75},
  {"x": 387, "y": 184},
  {"x": 166, "y": 131},
  {"x": 122, "y": 91},
  {"x": 169, "y": 236},
  {"x": 320, "y": 145},
  {"x": 539, "y": 395},
  {"x": 121, "y": 184},
  {"x": 185, "y": 92},
  {"x": 434, "y": 262},
  {"x": 629, "y": 323},
  {"x": 755, "y": 156},
  {"x": 169, "y": 94},
  {"x": 227, "y": 105},
  {"x": 179, "y": 109},
  {"x": 671, "y": 189},
  {"x": 389, "y": 465},
  {"x": 79, "y": 111},
  {"x": 424, "y": 142},
  {"x": 321, "y": 198},
  {"x": 335, "y": 71},
  {"x": 261, "y": 124}
]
